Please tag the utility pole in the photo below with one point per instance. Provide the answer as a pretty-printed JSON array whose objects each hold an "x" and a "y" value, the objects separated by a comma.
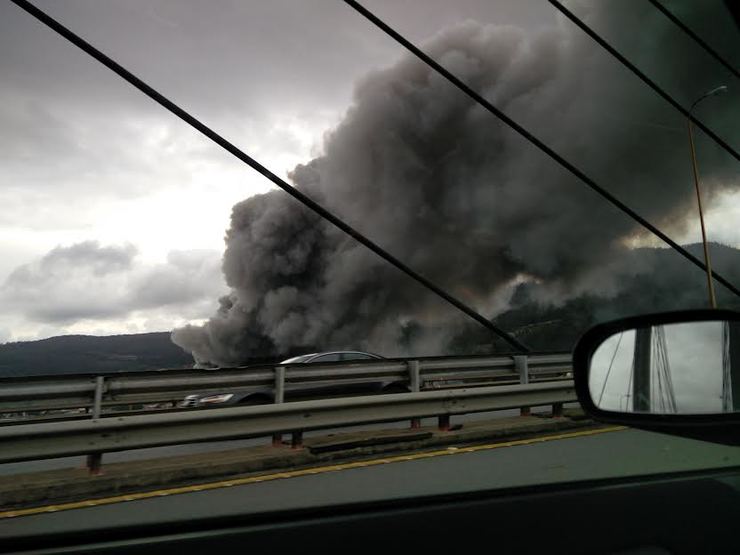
[{"x": 707, "y": 259}]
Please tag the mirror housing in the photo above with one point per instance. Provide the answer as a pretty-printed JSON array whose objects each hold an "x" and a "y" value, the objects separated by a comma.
[{"x": 595, "y": 370}]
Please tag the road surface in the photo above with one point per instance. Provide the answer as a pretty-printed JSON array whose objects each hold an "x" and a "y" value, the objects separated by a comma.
[
  {"x": 582, "y": 456},
  {"x": 189, "y": 449}
]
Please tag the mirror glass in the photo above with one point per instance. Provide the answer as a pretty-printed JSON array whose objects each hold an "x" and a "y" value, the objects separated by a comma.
[{"x": 684, "y": 368}]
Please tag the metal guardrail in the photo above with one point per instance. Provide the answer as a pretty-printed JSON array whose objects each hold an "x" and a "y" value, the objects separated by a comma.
[
  {"x": 33, "y": 441},
  {"x": 102, "y": 394}
]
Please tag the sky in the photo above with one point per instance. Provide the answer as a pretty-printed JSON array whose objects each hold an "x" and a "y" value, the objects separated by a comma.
[{"x": 115, "y": 211}]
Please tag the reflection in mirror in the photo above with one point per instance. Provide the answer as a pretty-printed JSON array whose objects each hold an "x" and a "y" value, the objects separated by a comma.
[{"x": 686, "y": 368}]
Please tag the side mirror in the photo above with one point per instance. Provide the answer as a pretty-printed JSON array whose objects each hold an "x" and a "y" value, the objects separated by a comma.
[{"x": 671, "y": 371}]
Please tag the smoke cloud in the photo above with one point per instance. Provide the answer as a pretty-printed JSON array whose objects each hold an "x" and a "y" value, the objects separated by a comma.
[{"x": 446, "y": 187}]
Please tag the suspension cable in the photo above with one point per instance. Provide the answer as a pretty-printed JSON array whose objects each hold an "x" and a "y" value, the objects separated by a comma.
[
  {"x": 701, "y": 42},
  {"x": 255, "y": 165},
  {"x": 532, "y": 139},
  {"x": 644, "y": 78},
  {"x": 609, "y": 370},
  {"x": 628, "y": 395}
]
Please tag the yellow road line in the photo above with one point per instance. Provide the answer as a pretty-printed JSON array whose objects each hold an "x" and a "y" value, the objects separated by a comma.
[{"x": 296, "y": 473}]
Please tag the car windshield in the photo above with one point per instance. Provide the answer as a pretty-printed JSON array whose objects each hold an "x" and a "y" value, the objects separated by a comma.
[{"x": 465, "y": 199}]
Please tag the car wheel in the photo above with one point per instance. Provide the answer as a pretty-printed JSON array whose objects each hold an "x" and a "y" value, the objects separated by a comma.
[{"x": 396, "y": 388}]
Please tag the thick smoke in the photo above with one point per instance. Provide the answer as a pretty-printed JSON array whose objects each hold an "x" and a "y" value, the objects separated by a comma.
[{"x": 446, "y": 187}]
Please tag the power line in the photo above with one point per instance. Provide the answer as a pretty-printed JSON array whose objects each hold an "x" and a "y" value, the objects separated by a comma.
[
  {"x": 644, "y": 78},
  {"x": 226, "y": 145},
  {"x": 532, "y": 139},
  {"x": 681, "y": 25}
]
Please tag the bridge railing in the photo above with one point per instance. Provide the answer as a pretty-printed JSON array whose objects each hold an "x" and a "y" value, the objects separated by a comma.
[
  {"x": 93, "y": 437},
  {"x": 83, "y": 396}
]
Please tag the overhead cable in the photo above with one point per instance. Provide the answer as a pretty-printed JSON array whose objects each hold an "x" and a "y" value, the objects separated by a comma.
[
  {"x": 255, "y": 165},
  {"x": 644, "y": 78},
  {"x": 534, "y": 140},
  {"x": 701, "y": 42}
]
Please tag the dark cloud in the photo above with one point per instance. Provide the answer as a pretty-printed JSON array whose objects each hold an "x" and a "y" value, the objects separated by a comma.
[
  {"x": 444, "y": 186},
  {"x": 89, "y": 281},
  {"x": 71, "y": 128},
  {"x": 235, "y": 57},
  {"x": 186, "y": 277},
  {"x": 238, "y": 66},
  {"x": 75, "y": 137},
  {"x": 99, "y": 260}
]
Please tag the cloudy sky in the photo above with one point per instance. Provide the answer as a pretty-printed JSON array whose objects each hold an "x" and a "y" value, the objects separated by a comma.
[{"x": 114, "y": 212}]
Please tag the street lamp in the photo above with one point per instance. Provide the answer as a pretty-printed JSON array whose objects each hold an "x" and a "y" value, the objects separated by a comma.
[{"x": 710, "y": 283}]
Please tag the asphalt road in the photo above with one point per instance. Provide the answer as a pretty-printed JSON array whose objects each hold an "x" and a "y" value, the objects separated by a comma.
[{"x": 610, "y": 454}]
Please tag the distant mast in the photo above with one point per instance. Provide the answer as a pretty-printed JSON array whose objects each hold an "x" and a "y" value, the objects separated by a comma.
[
  {"x": 641, "y": 382},
  {"x": 731, "y": 367}
]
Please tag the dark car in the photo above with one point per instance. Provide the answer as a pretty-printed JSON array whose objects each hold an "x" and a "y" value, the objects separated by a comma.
[
  {"x": 331, "y": 356},
  {"x": 254, "y": 396}
]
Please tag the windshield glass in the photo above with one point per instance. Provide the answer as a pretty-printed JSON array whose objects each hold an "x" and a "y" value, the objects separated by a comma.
[{"x": 462, "y": 225}]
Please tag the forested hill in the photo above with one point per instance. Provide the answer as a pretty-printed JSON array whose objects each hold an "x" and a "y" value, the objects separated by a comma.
[
  {"x": 649, "y": 280},
  {"x": 72, "y": 354}
]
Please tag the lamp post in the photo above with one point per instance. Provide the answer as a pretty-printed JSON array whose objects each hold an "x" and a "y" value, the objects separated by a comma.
[{"x": 707, "y": 261}]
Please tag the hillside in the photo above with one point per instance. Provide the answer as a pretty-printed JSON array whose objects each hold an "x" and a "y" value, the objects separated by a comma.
[
  {"x": 672, "y": 284},
  {"x": 71, "y": 354},
  {"x": 650, "y": 280}
]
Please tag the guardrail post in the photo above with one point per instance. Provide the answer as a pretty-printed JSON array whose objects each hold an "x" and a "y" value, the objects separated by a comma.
[
  {"x": 94, "y": 463},
  {"x": 95, "y": 460},
  {"x": 444, "y": 422},
  {"x": 77, "y": 438},
  {"x": 415, "y": 381},
  {"x": 296, "y": 440},
  {"x": 522, "y": 367},
  {"x": 557, "y": 410},
  {"x": 277, "y": 439},
  {"x": 97, "y": 405}
]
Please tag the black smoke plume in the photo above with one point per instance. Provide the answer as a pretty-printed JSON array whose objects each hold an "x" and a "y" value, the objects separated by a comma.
[{"x": 443, "y": 185}]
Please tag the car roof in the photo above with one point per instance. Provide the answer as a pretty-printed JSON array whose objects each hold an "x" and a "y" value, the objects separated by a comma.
[
  {"x": 311, "y": 356},
  {"x": 346, "y": 353}
]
